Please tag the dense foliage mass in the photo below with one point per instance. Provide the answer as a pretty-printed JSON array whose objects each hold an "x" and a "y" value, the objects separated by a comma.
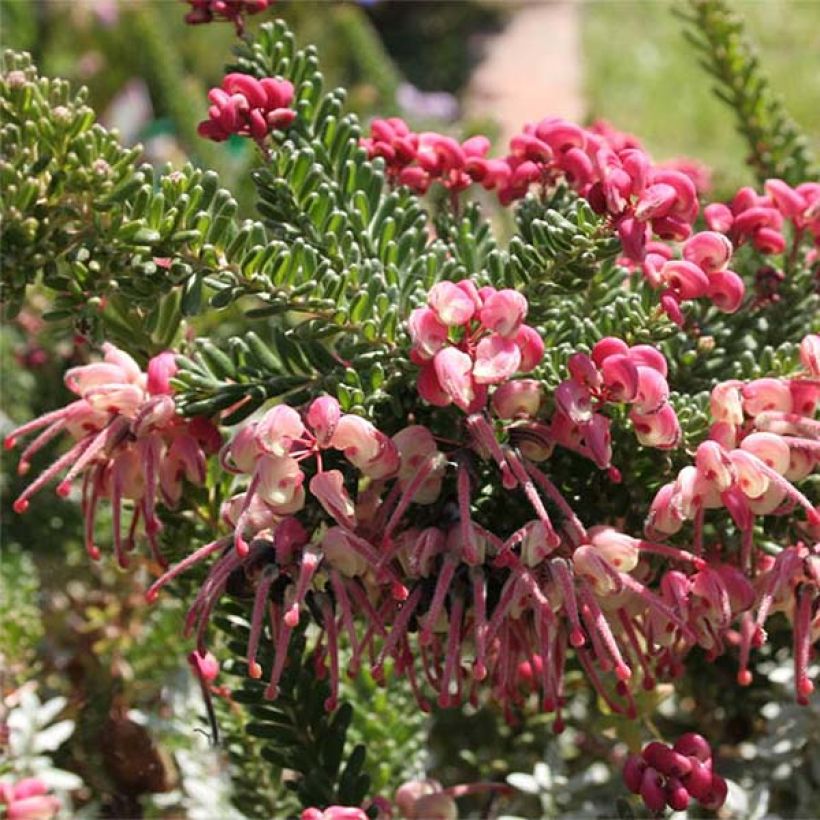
[{"x": 481, "y": 472}]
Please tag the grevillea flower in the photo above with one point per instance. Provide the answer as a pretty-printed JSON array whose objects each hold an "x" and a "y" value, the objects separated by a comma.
[
  {"x": 671, "y": 776},
  {"x": 28, "y": 799},
  {"x": 249, "y": 107},
  {"x": 234, "y": 11},
  {"x": 130, "y": 444},
  {"x": 469, "y": 338},
  {"x": 614, "y": 373}
]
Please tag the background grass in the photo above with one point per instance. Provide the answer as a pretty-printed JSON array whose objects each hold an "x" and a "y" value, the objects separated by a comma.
[{"x": 644, "y": 76}]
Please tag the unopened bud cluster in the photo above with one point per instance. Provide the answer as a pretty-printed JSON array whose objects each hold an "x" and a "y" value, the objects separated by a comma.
[{"x": 673, "y": 776}]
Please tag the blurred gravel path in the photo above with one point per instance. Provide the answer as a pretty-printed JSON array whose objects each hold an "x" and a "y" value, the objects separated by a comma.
[{"x": 532, "y": 69}]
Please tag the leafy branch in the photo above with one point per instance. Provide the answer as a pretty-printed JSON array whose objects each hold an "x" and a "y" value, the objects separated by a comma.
[{"x": 776, "y": 146}]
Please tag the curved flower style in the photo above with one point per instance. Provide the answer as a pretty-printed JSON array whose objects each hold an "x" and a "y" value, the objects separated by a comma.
[
  {"x": 248, "y": 107},
  {"x": 538, "y": 592},
  {"x": 130, "y": 444}
]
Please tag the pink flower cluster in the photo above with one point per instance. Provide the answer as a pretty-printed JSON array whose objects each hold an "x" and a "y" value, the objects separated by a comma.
[
  {"x": 701, "y": 273},
  {"x": 614, "y": 373},
  {"x": 763, "y": 441},
  {"x": 639, "y": 198},
  {"x": 560, "y": 586},
  {"x": 28, "y": 799},
  {"x": 671, "y": 776},
  {"x": 271, "y": 451},
  {"x": 760, "y": 218},
  {"x": 468, "y": 338},
  {"x": 234, "y": 11},
  {"x": 130, "y": 444},
  {"x": 417, "y": 160},
  {"x": 764, "y": 438},
  {"x": 248, "y": 107}
]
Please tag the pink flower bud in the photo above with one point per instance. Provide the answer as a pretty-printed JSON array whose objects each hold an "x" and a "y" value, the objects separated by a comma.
[
  {"x": 656, "y": 201},
  {"x": 205, "y": 666},
  {"x": 726, "y": 290},
  {"x": 714, "y": 465},
  {"x": 417, "y": 179},
  {"x": 634, "y": 768},
  {"x": 577, "y": 166},
  {"x": 496, "y": 359},
  {"x": 686, "y": 203},
  {"x": 538, "y": 543},
  {"x": 756, "y": 218},
  {"x": 810, "y": 354},
  {"x": 718, "y": 217},
  {"x": 323, "y": 415},
  {"x": 698, "y": 782},
  {"x": 453, "y": 307},
  {"x": 531, "y": 345},
  {"x": 649, "y": 357},
  {"x": 766, "y": 394},
  {"x": 660, "y": 429},
  {"x": 805, "y": 397},
  {"x": 724, "y": 433},
  {"x": 652, "y": 791},
  {"x": 653, "y": 391},
  {"x": 574, "y": 400},
  {"x": 416, "y": 446},
  {"x": 769, "y": 240},
  {"x": 280, "y": 479},
  {"x": 240, "y": 453},
  {"x": 785, "y": 198},
  {"x": 278, "y": 428},
  {"x": 716, "y": 795},
  {"x": 608, "y": 346},
  {"x": 709, "y": 250},
  {"x": 676, "y": 795},
  {"x": 684, "y": 279},
  {"x": 429, "y": 388},
  {"x": 278, "y": 93},
  {"x": 618, "y": 549},
  {"x": 453, "y": 370},
  {"x": 620, "y": 377},
  {"x": 503, "y": 312},
  {"x": 664, "y": 515},
  {"x": 666, "y": 760},
  {"x": 161, "y": 369},
  {"x": 771, "y": 499},
  {"x": 367, "y": 448},
  {"x": 340, "y": 555},
  {"x": 801, "y": 465},
  {"x": 599, "y": 440},
  {"x": 560, "y": 135},
  {"x": 752, "y": 482},
  {"x": 428, "y": 334},
  {"x": 410, "y": 792},
  {"x": 329, "y": 489},
  {"x": 725, "y": 402},
  {"x": 769, "y": 448},
  {"x": 633, "y": 235},
  {"x": 28, "y": 787},
  {"x": 583, "y": 370},
  {"x": 516, "y": 399}
]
